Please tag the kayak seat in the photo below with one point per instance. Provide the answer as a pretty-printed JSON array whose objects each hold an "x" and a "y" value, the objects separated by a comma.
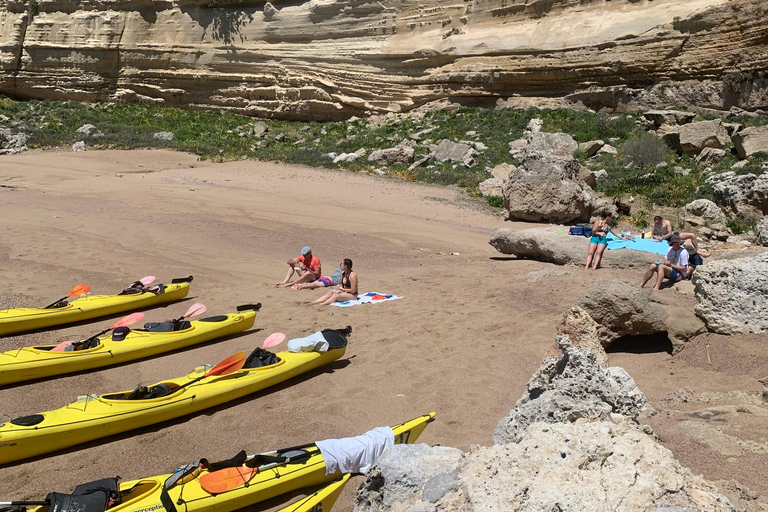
[
  {"x": 259, "y": 358},
  {"x": 60, "y": 304},
  {"x": 167, "y": 326},
  {"x": 334, "y": 338},
  {"x": 28, "y": 421},
  {"x": 217, "y": 318},
  {"x": 144, "y": 393}
]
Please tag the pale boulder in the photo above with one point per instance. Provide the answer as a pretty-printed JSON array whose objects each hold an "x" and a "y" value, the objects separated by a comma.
[
  {"x": 751, "y": 140},
  {"x": 491, "y": 187},
  {"x": 502, "y": 171},
  {"x": 694, "y": 137}
]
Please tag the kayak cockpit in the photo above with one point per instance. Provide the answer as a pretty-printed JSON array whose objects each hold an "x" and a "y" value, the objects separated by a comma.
[{"x": 161, "y": 390}]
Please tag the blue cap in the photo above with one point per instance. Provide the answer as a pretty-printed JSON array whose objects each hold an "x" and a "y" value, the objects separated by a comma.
[{"x": 306, "y": 250}]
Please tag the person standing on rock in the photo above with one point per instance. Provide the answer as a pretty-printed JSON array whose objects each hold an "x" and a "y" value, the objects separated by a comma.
[
  {"x": 662, "y": 230},
  {"x": 675, "y": 266},
  {"x": 599, "y": 241},
  {"x": 307, "y": 266}
]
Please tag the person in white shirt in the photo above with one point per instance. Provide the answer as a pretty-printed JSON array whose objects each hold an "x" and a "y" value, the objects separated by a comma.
[{"x": 674, "y": 267}]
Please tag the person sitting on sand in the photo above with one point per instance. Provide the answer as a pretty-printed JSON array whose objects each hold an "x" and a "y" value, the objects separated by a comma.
[
  {"x": 695, "y": 258},
  {"x": 599, "y": 241},
  {"x": 320, "y": 282},
  {"x": 307, "y": 266},
  {"x": 662, "y": 230},
  {"x": 347, "y": 289},
  {"x": 675, "y": 266}
]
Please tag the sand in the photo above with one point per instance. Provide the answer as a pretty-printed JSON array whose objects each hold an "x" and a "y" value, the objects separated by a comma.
[{"x": 463, "y": 341}]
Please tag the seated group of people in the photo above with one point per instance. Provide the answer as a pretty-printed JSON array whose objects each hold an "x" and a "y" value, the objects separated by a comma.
[
  {"x": 681, "y": 260},
  {"x": 308, "y": 270}
]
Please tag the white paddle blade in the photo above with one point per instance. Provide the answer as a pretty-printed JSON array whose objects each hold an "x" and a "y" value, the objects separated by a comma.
[
  {"x": 147, "y": 280},
  {"x": 195, "y": 309}
]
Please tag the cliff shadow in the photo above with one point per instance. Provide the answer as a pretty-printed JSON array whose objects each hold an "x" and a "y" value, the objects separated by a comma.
[{"x": 222, "y": 23}]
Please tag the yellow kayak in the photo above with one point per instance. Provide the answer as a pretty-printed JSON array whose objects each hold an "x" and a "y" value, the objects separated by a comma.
[
  {"x": 321, "y": 501},
  {"x": 95, "y": 416},
  {"x": 16, "y": 320},
  {"x": 268, "y": 475},
  {"x": 30, "y": 363}
]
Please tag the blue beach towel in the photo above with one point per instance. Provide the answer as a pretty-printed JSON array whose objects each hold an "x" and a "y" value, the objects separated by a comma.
[
  {"x": 368, "y": 298},
  {"x": 639, "y": 244}
]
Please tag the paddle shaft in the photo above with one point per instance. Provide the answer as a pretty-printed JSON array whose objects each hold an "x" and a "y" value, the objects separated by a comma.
[{"x": 26, "y": 503}]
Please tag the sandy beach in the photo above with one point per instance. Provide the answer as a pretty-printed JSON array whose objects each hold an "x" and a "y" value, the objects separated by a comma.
[{"x": 464, "y": 340}]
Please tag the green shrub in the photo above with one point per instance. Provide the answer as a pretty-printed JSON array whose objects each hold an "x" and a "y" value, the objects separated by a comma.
[
  {"x": 739, "y": 227},
  {"x": 645, "y": 151},
  {"x": 496, "y": 201}
]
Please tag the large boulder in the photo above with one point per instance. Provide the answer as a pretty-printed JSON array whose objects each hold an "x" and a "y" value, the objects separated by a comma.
[
  {"x": 751, "y": 140},
  {"x": 670, "y": 117},
  {"x": 491, "y": 187},
  {"x": 702, "y": 212},
  {"x": 545, "y": 244},
  {"x": 694, "y": 137},
  {"x": 448, "y": 151},
  {"x": 745, "y": 195},
  {"x": 567, "y": 387},
  {"x": 624, "y": 309},
  {"x": 549, "y": 185},
  {"x": 733, "y": 295},
  {"x": 710, "y": 156},
  {"x": 400, "y": 154},
  {"x": 571, "y": 444}
]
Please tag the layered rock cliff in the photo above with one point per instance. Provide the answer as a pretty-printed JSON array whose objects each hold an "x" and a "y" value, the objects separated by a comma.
[{"x": 330, "y": 59}]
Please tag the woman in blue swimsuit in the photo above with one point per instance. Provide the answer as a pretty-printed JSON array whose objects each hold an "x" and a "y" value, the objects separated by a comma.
[{"x": 599, "y": 241}]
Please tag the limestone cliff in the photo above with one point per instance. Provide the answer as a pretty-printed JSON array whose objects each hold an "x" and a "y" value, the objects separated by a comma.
[{"x": 330, "y": 59}]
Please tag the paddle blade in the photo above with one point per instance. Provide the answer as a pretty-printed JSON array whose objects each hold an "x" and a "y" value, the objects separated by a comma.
[
  {"x": 147, "y": 280},
  {"x": 229, "y": 365},
  {"x": 195, "y": 309},
  {"x": 226, "y": 479},
  {"x": 273, "y": 340},
  {"x": 79, "y": 290},
  {"x": 61, "y": 346},
  {"x": 128, "y": 320}
]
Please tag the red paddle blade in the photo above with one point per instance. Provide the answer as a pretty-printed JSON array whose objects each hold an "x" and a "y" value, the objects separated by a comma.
[
  {"x": 147, "y": 280},
  {"x": 273, "y": 340},
  {"x": 229, "y": 365},
  {"x": 79, "y": 290},
  {"x": 226, "y": 479},
  {"x": 128, "y": 320},
  {"x": 61, "y": 346},
  {"x": 195, "y": 309}
]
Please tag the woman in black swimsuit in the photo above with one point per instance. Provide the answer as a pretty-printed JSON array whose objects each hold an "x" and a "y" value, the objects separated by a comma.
[{"x": 347, "y": 289}]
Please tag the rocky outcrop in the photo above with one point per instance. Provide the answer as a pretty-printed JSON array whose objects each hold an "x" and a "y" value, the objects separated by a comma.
[
  {"x": 331, "y": 59},
  {"x": 545, "y": 244},
  {"x": 703, "y": 212},
  {"x": 570, "y": 444},
  {"x": 751, "y": 140},
  {"x": 732, "y": 295},
  {"x": 762, "y": 231},
  {"x": 570, "y": 386},
  {"x": 549, "y": 184},
  {"x": 746, "y": 195},
  {"x": 692, "y": 138},
  {"x": 624, "y": 309},
  {"x": 11, "y": 143}
]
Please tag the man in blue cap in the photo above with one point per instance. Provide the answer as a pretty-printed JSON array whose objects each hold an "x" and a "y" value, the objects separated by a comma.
[{"x": 307, "y": 266}]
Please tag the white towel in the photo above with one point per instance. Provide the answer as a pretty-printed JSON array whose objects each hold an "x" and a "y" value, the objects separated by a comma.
[
  {"x": 314, "y": 342},
  {"x": 355, "y": 454}
]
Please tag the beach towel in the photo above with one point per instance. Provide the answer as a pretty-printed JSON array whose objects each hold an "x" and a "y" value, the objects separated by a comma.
[
  {"x": 368, "y": 298},
  {"x": 355, "y": 454},
  {"x": 314, "y": 342},
  {"x": 638, "y": 244}
]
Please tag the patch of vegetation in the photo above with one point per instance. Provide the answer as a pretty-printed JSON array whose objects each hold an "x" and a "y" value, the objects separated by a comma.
[
  {"x": 223, "y": 136},
  {"x": 495, "y": 201},
  {"x": 739, "y": 227}
]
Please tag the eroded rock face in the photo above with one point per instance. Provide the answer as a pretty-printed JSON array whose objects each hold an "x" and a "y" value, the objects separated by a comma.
[
  {"x": 567, "y": 388},
  {"x": 745, "y": 195},
  {"x": 625, "y": 309},
  {"x": 733, "y": 295},
  {"x": 336, "y": 58},
  {"x": 11, "y": 143},
  {"x": 548, "y": 186}
]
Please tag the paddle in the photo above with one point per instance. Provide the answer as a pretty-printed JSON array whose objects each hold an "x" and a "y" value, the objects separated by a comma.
[
  {"x": 25, "y": 503},
  {"x": 123, "y": 322},
  {"x": 273, "y": 340},
  {"x": 77, "y": 290},
  {"x": 227, "y": 366},
  {"x": 194, "y": 310},
  {"x": 147, "y": 280},
  {"x": 226, "y": 479}
]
